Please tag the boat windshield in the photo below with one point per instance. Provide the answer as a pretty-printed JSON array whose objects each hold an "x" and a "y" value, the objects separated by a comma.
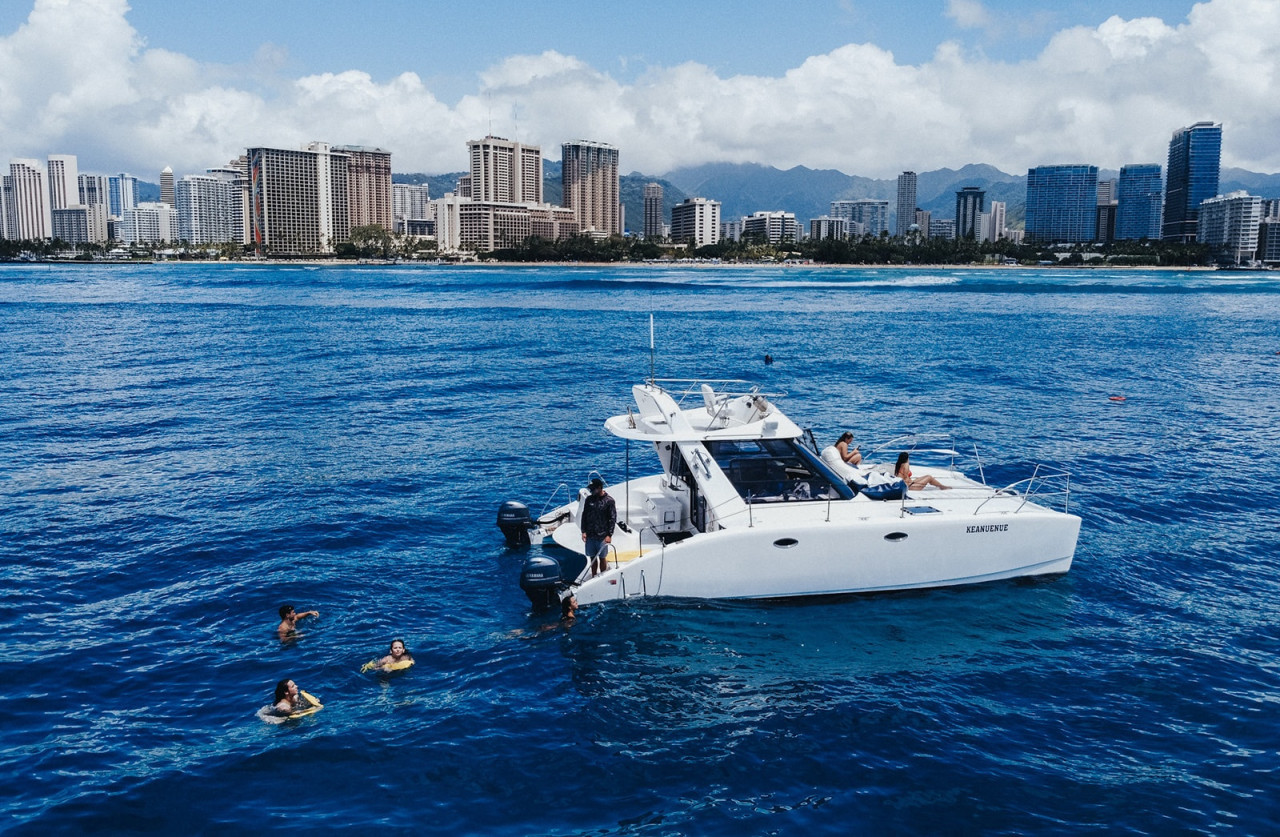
[{"x": 775, "y": 471}]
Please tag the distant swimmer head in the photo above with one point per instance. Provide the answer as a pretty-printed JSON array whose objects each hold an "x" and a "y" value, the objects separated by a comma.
[
  {"x": 286, "y": 610},
  {"x": 398, "y": 649}
]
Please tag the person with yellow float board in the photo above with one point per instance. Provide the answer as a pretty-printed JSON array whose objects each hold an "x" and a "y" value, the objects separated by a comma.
[
  {"x": 398, "y": 658},
  {"x": 290, "y": 702}
]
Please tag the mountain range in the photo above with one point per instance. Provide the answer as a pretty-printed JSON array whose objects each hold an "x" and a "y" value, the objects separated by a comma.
[{"x": 744, "y": 188}]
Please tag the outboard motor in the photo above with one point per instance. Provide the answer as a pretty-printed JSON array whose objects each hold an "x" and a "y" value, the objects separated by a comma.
[
  {"x": 540, "y": 580},
  {"x": 544, "y": 578},
  {"x": 515, "y": 522}
]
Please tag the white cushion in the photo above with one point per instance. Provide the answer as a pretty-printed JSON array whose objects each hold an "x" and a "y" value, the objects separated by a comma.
[{"x": 844, "y": 470}]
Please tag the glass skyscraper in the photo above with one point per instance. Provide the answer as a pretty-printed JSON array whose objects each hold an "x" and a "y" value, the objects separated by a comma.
[
  {"x": 1195, "y": 156},
  {"x": 1139, "y": 194},
  {"x": 1062, "y": 203}
]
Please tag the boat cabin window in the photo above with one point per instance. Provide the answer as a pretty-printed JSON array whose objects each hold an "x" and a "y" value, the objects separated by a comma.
[{"x": 776, "y": 471}]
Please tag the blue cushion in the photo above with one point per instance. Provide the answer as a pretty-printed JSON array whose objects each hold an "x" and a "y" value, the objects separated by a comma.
[{"x": 895, "y": 490}]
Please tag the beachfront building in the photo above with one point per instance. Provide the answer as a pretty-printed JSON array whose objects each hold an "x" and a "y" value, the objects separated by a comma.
[
  {"x": 369, "y": 199},
  {"x": 942, "y": 228},
  {"x": 410, "y": 206},
  {"x": 28, "y": 200},
  {"x": 906, "y": 202},
  {"x": 503, "y": 171},
  {"x": 297, "y": 199},
  {"x": 1062, "y": 203},
  {"x": 696, "y": 221},
  {"x": 1139, "y": 194},
  {"x": 826, "y": 227},
  {"x": 970, "y": 202},
  {"x": 991, "y": 223},
  {"x": 1192, "y": 177},
  {"x": 589, "y": 176},
  {"x": 147, "y": 223},
  {"x": 775, "y": 227},
  {"x": 207, "y": 209},
  {"x": 1229, "y": 224},
  {"x": 1269, "y": 241},
  {"x": 654, "y": 214},
  {"x": 865, "y": 216},
  {"x": 64, "y": 181}
]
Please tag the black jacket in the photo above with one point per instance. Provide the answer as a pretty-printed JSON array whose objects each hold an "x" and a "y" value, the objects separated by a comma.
[{"x": 599, "y": 516}]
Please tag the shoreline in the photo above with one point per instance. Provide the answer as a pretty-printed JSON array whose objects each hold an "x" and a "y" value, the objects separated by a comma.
[{"x": 423, "y": 264}]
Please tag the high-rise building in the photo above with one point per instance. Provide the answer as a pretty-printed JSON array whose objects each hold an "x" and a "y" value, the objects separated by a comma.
[
  {"x": 235, "y": 176},
  {"x": 696, "y": 221},
  {"x": 825, "y": 227},
  {"x": 503, "y": 171},
  {"x": 166, "y": 187},
  {"x": 906, "y": 201},
  {"x": 410, "y": 202},
  {"x": 31, "y": 216},
  {"x": 863, "y": 217},
  {"x": 654, "y": 214},
  {"x": 208, "y": 209},
  {"x": 6, "y": 213},
  {"x": 1229, "y": 223},
  {"x": 150, "y": 222},
  {"x": 992, "y": 223},
  {"x": 1062, "y": 203},
  {"x": 768, "y": 227},
  {"x": 1139, "y": 194},
  {"x": 94, "y": 190},
  {"x": 64, "y": 181},
  {"x": 1195, "y": 155},
  {"x": 970, "y": 202},
  {"x": 369, "y": 197},
  {"x": 942, "y": 228},
  {"x": 123, "y": 193},
  {"x": 298, "y": 199},
  {"x": 589, "y": 173},
  {"x": 924, "y": 218}
]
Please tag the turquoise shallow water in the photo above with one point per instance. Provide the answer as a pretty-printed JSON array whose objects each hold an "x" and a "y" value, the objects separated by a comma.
[{"x": 184, "y": 448}]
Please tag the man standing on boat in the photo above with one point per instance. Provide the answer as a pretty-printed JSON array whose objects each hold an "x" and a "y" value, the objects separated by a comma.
[{"x": 599, "y": 516}]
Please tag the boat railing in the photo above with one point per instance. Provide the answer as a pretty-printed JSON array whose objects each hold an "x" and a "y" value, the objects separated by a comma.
[
  {"x": 553, "y": 496},
  {"x": 682, "y": 388},
  {"x": 1046, "y": 487}
]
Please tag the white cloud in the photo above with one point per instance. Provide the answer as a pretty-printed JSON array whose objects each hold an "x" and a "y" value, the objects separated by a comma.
[
  {"x": 969, "y": 14},
  {"x": 77, "y": 79}
]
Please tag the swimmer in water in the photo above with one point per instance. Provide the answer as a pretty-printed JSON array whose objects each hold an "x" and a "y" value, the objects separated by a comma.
[
  {"x": 289, "y": 620},
  {"x": 569, "y": 610},
  {"x": 289, "y": 699},
  {"x": 396, "y": 654}
]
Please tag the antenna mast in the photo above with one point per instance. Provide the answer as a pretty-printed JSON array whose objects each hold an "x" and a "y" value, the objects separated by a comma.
[{"x": 651, "y": 375}]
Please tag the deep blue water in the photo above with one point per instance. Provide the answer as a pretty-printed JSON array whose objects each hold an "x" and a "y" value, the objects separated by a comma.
[{"x": 185, "y": 448}]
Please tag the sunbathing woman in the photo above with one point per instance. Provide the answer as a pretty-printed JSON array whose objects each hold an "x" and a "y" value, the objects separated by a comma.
[{"x": 903, "y": 472}]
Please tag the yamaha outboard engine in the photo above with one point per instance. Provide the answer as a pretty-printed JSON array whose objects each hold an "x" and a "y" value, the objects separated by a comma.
[
  {"x": 540, "y": 580},
  {"x": 544, "y": 578},
  {"x": 515, "y": 522}
]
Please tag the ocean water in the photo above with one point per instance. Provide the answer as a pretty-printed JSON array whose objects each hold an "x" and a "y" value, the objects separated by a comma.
[{"x": 185, "y": 448}]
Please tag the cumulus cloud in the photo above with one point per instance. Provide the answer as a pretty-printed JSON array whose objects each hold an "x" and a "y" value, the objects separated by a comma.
[
  {"x": 968, "y": 14},
  {"x": 76, "y": 78}
]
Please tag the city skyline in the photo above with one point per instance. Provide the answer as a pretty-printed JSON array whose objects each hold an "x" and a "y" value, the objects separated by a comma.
[{"x": 1081, "y": 83}]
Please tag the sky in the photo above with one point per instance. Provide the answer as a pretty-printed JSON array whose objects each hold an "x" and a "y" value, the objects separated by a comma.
[{"x": 869, "y": 87}]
